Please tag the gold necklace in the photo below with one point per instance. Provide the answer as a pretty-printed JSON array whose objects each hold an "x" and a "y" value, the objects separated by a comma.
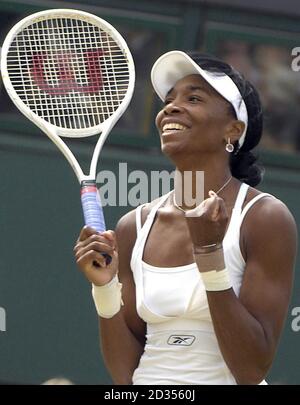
[{"x": 217, "y": 192}]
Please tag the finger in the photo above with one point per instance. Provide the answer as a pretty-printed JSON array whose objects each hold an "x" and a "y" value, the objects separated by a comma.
[
  {"x": 211, "y": 193},
  {"x": 89, "y": 258},
  {"x": 102, "y": 238},
  {"x": 212, "y": 205},
  {"x": 218, "y": 206},
  {"x": 97, "y": 247},
  {"x": 96, "y": 237},
  {"x": 222, "y": 208},
  {"x": 85, "y": 232},
  {"x": 220, "y": 212},
  {"x": 110, "y": 236},
  {"x": 208, "y": 208}
]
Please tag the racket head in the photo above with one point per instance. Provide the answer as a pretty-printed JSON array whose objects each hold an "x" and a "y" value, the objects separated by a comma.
[{"x": 68, "y": 71}]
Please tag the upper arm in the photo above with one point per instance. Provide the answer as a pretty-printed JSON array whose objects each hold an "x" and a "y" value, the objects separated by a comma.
[
  {"x": 270, "y": 243},
  {"x": 126, "y": 236}
]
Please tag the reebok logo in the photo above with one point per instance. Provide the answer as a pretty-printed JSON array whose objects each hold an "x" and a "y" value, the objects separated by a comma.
[{"x": 183, "y": 340}]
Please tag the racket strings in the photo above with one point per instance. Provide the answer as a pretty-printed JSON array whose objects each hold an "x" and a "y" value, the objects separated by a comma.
[{"x": 69, "y": 72}]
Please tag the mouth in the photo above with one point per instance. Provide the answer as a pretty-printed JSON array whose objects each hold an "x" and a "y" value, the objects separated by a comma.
[{"x": 173, "y": 127}]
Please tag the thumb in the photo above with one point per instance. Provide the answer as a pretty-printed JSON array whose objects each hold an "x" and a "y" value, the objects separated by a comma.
[
  {"x": 219, "y": 208},
  {"x": 215, "y": 206}
]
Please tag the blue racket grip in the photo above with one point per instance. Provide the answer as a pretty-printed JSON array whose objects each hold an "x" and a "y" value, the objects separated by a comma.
[{"x": 92, "y": 209}]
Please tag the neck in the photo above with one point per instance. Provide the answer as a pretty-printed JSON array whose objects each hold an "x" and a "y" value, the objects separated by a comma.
[
  {"x": 191, "y": 187},
  {"x": 198, "y": 173}
]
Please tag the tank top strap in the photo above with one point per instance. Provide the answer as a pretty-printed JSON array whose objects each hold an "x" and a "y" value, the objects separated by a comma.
[
  {"x": 138, "y": 218},
  {"x": 233, "y": 226},
  {"x": 151, "y": 215},
  {"x": 161, "y": 201},
  {"x": 141, "y": 237},
  {"x": 252, "y": 202},
  {"x": 241, "y": 197}
]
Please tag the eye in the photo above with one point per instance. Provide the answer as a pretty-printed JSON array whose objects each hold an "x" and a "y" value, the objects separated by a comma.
[
  {"x": 167, "y": 101},
  {"x": 195, "y": 99}
]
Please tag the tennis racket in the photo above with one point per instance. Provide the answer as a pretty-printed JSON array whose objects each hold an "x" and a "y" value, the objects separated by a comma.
[{"x": 71, "y": 73}]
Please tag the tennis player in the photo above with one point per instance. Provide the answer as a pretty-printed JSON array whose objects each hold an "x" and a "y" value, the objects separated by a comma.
[{"x": 197, "y": 295}]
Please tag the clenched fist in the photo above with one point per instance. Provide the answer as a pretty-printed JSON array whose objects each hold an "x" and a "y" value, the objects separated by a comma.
[
  {"x": 89, "y": 250},
  {"x": 208, "y": 221}
]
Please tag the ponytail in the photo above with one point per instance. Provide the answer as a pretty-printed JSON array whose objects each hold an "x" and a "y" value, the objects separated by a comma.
[{"x": 244, "y": 167}]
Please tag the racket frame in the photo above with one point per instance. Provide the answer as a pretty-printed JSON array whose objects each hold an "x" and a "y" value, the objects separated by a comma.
[{"x": 49, "y": 129}]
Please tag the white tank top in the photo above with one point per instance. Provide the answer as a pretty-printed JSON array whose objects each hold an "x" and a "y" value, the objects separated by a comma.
[{"x": 181, "y": 345}]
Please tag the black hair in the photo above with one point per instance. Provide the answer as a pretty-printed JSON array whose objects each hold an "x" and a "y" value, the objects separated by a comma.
[{"x": 243, "y": 162}]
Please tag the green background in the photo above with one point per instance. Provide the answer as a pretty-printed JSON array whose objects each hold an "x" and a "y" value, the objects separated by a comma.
[{"x": 50, "y": 319}]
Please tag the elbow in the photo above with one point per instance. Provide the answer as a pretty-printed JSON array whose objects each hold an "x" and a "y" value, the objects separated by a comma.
[
  {"x": 122, "y": 380},
  {"x": 255, "y": 367},
  {"x": 118, "y": 374},
  {"x": 252, "y": 375},
  {"x": 253, "y": 379}
]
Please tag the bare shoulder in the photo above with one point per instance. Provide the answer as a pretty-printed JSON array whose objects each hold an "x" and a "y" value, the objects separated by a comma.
[
  {"x": 126, "y": 226},
  {"x": 127, "y": 223},
  {"x": 268, "y": 211},
  {"x": 269, "y": 221}
]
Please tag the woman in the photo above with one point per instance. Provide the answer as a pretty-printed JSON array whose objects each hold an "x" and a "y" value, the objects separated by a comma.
[{"x": 205, "y": 288}]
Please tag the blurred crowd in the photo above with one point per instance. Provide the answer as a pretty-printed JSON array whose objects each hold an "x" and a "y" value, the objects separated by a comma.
[{"x": 268, "y": 67}]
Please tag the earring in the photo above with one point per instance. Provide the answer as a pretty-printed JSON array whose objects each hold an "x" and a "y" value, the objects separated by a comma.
[{"x": 229, "y": 147}]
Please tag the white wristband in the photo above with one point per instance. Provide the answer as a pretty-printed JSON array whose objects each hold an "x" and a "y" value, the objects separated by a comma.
[
  {"x": 216, "y": 280},
  {"x": 108, "y": 298}
]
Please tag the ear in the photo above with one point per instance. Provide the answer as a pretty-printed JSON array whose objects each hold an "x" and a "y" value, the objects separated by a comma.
[{"x": 234, "y": 130}]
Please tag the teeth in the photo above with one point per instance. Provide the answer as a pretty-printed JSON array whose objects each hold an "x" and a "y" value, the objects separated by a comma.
[{"x": 174, "y": 125}]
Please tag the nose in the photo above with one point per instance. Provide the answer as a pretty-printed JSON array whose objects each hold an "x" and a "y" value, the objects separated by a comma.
[{"x": 172, "y": 108}]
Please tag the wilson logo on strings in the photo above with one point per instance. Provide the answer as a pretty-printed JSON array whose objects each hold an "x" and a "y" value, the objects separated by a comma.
[
  {"x": 55, "y": 73},
  {"x": 183, "y": 340}
]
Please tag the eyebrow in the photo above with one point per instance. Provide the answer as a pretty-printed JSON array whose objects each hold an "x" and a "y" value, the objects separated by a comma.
[{"x": 191, "y": 88}]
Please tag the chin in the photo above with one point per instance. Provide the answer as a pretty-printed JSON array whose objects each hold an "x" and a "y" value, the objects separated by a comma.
[{"x": 172, "y": 150}]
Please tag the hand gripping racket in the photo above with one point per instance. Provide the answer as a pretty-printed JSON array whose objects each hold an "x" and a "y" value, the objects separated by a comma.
[{"x": 72, "y": 74}]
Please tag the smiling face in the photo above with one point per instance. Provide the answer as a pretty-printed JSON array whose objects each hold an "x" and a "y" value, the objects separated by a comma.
[{"x": 196, "y": 119}]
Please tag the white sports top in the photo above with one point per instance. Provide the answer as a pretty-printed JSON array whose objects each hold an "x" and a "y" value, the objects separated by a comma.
[{"x": 181, "y": 345}]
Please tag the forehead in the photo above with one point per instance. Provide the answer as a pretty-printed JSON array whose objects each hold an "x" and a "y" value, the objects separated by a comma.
[{"x": 193, "y": 82}]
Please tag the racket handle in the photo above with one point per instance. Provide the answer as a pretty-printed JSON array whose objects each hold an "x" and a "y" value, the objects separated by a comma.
[{"x": 92, "y": 209}]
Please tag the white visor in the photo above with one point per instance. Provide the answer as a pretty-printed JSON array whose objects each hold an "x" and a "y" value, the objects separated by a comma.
[{"x": 175, "y": 65}]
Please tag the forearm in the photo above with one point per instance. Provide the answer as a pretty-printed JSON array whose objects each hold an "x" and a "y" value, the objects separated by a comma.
[
  {"x": 241, "y": 337},
  {"x": 120, "y": 348}
]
